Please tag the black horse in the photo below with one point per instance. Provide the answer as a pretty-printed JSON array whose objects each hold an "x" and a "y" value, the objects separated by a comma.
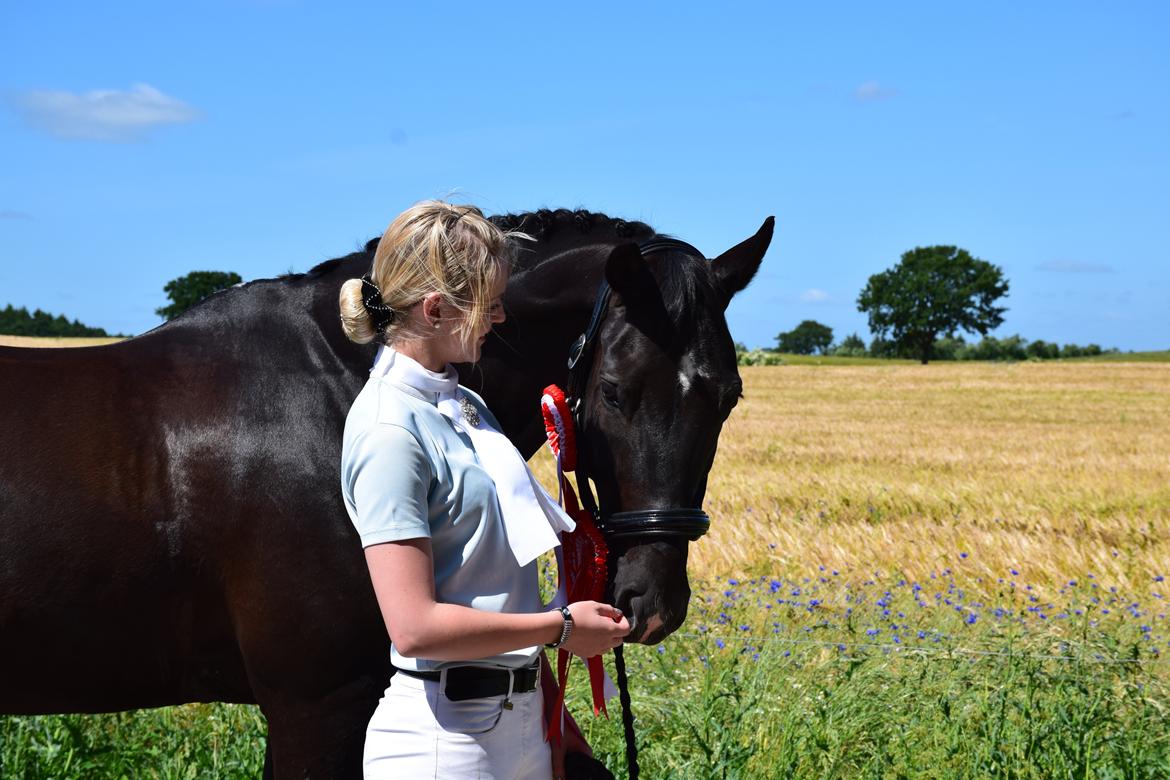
[{"x": 171, "y": 522}]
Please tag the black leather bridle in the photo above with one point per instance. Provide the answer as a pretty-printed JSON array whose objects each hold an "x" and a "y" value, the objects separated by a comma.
[{"x": 687, "y": 523}]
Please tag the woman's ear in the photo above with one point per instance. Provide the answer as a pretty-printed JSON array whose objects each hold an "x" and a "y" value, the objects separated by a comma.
[{"x": 432, "y": 305}]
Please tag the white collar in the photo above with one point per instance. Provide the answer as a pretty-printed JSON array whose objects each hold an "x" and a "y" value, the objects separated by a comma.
[{"x": 404, "y": 370}]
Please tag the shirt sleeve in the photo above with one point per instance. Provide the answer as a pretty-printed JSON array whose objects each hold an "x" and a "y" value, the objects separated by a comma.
[{"x": 389, "y": 477}]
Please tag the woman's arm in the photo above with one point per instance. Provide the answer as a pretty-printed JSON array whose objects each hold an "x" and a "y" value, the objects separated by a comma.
[{"x": 421, "y": 627}]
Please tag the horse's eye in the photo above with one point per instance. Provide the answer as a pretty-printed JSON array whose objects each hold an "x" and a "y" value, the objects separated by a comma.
[{"x": 609, "y": 394}]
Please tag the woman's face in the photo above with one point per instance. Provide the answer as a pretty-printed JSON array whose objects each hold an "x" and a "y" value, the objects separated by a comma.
[{"x": 461, "y": 352}]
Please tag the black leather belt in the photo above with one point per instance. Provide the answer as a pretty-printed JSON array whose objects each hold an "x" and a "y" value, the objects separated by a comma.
[{"x": 480, "y": 682}]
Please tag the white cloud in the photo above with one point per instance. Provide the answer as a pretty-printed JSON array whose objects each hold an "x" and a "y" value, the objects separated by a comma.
[
  {"x": 871, "y": 91},
  {"x": 814, "y": 296},
  {"x": 103, "y": 114},
  {"x": 1074, "y": 267}
]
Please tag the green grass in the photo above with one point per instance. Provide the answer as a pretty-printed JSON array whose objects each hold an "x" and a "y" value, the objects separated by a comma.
[
  {"x": 1126, "y": 357},
  {"x": 171, "y": 743},
  {"x": 830, "y": 675}
]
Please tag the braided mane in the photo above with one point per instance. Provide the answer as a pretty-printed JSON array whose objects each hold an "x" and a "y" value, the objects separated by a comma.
[{"x": 543, "y": 223}]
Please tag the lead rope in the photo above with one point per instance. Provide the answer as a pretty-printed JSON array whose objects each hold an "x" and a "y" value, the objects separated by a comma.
[{"x": 619, "y": 663}]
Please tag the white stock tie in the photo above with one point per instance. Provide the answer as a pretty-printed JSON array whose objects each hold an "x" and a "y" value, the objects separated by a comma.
[{"x": 532, "y": 519}]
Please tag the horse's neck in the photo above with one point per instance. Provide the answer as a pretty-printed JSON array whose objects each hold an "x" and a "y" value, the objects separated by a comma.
[{"x": 548, "y": 306}]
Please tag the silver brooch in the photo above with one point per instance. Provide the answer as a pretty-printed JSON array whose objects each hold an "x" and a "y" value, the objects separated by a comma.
[{"x": 470, "y": 413}]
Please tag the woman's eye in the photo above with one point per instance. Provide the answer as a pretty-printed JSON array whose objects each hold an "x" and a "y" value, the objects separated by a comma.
[{"x": 609, "y": 394}]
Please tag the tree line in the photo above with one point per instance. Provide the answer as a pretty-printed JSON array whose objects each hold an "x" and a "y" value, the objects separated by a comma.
[
  {"x": 919, "y": 308},
  {"x": 184, "y": 292},
  {"x": 21, "y": 322}
]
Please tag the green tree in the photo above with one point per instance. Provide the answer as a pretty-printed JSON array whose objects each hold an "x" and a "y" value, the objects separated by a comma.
[
  {"x": 19, "y": 322},
  {"x": 851, "y": 346},
  {"x": 186, "y": 291},
  {"x": 933, "y": 290},
  {"x": 806, "y": 338}
]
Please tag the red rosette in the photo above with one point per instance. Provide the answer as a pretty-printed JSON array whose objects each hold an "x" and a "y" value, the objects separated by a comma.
[{"x": 558, "y": 426}]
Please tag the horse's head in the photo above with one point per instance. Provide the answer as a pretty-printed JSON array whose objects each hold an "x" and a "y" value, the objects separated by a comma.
[{"x": 660, "y": 380}]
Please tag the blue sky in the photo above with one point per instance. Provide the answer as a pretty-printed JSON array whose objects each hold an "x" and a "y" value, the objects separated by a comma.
[{"x": 140, "y": 141}]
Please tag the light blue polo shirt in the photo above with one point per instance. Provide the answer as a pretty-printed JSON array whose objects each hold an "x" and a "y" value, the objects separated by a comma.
[{"x": 406, "y": 473}]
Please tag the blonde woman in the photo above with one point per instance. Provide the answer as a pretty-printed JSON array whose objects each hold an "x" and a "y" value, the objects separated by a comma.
[{"x": 450, "y": 518}]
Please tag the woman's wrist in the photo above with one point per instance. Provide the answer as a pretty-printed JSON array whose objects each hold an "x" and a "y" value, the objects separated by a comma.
[{"x": 564, "y": 627}]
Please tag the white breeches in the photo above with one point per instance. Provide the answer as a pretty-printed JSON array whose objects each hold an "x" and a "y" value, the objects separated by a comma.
[{"x": 417, "y": 732}]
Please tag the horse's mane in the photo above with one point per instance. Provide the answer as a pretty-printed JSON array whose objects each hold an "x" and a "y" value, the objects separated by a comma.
[
  {"x": 682, "y": 285},
  {"x": 543, "y": 223}
]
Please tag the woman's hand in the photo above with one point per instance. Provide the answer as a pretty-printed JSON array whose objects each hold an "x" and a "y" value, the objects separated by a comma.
[{"x": 596, "y": 628}]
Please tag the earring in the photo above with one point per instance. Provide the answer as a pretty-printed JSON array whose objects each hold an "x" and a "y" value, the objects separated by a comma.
[{"x": 436, "y": 326}]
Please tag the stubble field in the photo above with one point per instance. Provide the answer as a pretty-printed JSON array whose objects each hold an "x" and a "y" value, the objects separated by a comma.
[{"x": 953, "y": 570}]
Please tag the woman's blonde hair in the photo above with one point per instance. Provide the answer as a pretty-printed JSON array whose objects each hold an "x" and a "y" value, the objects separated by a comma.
[{"x": 433, "y": 246}]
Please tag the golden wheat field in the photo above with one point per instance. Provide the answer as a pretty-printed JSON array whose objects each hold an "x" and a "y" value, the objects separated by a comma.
[
  {"x": 38, "y": 341},
  {"x": 1054, "y": 469}
]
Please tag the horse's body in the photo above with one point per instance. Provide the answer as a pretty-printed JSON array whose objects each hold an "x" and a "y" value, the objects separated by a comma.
[{"x": 171, "y": 525}]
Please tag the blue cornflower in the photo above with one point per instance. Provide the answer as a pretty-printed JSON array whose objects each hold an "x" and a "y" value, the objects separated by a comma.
[
  {"x": 1159, "y": 578},
  {"x": 962, "y": 555},
  {"x": 787, "y": 653},
  {"x": 922, "y": 635},
  {"x": 720, "y": 644},
  {"x": 744, "y": 627},
  {"x": 733, "y": 582},
  {"x": 971, "y": 618},
  {"x": 873, "y": 631},
  {"x": 1017, "y": 574},
  {"x": 841, "y": 648},
  {"x": 661, "y": 649}
]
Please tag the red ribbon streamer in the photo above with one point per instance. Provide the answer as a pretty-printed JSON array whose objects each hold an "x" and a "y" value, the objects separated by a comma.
[{"x": 584, "y": 552}]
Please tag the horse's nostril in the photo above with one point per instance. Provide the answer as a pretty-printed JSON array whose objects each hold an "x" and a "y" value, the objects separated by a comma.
[{"x": 629, "y": 602}]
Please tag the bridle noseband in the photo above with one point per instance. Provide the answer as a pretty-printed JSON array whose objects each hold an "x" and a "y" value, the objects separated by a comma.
[{"x": 686, "y": 523}]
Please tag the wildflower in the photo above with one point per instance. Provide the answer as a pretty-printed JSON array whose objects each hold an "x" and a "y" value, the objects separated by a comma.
[
  {"x": 1017, "y": 574},
  {"x": 720, "y": 644},
  {"x": 787, "y": 653},
  {"x": 1159, "y": 578},
  {"x": 971, "y": 618},
  {"x": 661, "y": 649},
  {"x": 873, "y": 631},
  {"x": 962, "y": 555}
]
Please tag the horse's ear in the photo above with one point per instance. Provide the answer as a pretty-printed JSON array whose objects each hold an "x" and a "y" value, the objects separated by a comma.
[
  {"x": 735, "y": 268},
  {"x": 627, "y": 273}
]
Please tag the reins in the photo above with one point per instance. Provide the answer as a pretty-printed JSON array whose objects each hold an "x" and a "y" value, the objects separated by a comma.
[{"x": 686, "y": 523}]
